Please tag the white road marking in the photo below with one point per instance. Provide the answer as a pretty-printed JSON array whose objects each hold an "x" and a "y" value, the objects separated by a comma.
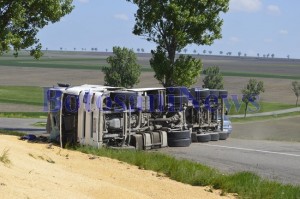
[{"x": 255, "y": 150}]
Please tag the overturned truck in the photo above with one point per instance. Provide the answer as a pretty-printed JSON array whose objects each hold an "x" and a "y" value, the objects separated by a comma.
[{"x": 143, "y": 118}]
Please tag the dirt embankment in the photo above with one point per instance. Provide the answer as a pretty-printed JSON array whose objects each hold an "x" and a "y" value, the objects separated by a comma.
[{"x": 37, "y": 171}]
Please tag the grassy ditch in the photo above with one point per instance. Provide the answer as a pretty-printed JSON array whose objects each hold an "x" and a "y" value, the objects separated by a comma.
[{"x": 245, "y": 184}]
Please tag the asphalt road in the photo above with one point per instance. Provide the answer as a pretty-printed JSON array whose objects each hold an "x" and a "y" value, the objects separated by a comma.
[
  {"x": 275, "y": 160},
  {"x": 278, "y": 161},
  {"x": 22, "y": 125}
]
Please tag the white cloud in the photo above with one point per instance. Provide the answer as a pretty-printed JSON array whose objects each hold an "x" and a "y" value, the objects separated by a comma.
[
  {"x": 245, "y": 5},
  {"x": 121, "y": 17},
  {"x": 283, "y": 32},
  {"x": 273, "y": 9},
  {"x": 83, "y": 1},
  {"x": 234, "y": 39}
]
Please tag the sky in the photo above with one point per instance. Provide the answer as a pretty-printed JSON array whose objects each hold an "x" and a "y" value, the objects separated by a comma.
[{"x": 250, "y": 27}]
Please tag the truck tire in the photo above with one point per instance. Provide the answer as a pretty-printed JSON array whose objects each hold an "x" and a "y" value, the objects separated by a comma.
[
  {"x": 223, "y": 135},
  {"x": 179, "y": 142},
  {"x": 214, "y": 136},
  {"x": 203, "y": 137},
  {"x": 176, "y": 135},
  {"x": 194, "y": 137}
]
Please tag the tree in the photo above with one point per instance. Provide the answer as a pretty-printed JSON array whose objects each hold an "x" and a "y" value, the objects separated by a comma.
[
  {"x": 210, "y": 52},
  {"x": 185, "y": 50},
  {"x": 239, "y": 53},
  {"x": 185, "y": 69},
  {"x": 296, "y": 89},
  {"x": 213, "y": 78},
  {"x": 251, "y": 92},
  {"x": 173, "y": 25},
  {"x": 204, "y": 51},
  {"x": 20, "y": 21},
  {"x": 138, "y": 50},
  {"x": 221, "y": 52},
  {"x": 273, "y": 55},
  {"x": 195, "y": 51},
  {"x": 124, "y": 70},
  {"x": 143, "y": 50}
]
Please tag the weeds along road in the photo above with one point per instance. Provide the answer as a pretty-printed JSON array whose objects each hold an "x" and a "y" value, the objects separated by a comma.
[{"x": 273, "y": 160}]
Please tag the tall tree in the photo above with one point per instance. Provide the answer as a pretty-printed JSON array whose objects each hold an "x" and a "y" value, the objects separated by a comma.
[
  {"x": 213, "y": 78},
  {"x": 20, "y": 21},
  {"x": 184, "y": 68},
  {"x": 124, "y": 70},
  {"x": 173, "y": 25},
  {"x": 251, "y": 92},
  {"x": 296, "y": 89}
]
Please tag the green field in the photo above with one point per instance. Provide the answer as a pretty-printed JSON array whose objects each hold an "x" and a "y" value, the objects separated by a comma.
[
  {"x": 262, "y": 107},
  {"x": 97, "y": 60},
  {"x": 28, "y": 95}
]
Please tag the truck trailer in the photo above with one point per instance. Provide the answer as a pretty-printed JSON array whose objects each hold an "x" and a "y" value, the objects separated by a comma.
[{"x": 140, "y": 118}]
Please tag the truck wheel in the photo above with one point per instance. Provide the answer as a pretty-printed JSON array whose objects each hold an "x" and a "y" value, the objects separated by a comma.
[
  {"x": 194, "y": 137},
  {"x": 179, "y": 142},
  {"x": 214, "y": 136},
  {"x": 176, "y": 135},
  {"x": 203, "y": 137},
  {"x": 223, "y": 135}
]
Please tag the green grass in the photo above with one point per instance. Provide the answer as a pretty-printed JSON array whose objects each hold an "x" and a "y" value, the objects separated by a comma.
[
  {"x": 28, "y": 95},
  {"x": 263, "y": 107},
  {"x": 38, "y": 115},
  {"x": 247, "y": 185},
  {"x": 262, "y": 118},
  {"x": 65, "y": 63},
  {"x": 12, "y": 133}
]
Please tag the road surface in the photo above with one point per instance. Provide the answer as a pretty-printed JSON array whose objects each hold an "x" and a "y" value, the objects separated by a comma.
[
  {"x": 22, "y": 125},
  {"x": 279, "y": 161}
]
